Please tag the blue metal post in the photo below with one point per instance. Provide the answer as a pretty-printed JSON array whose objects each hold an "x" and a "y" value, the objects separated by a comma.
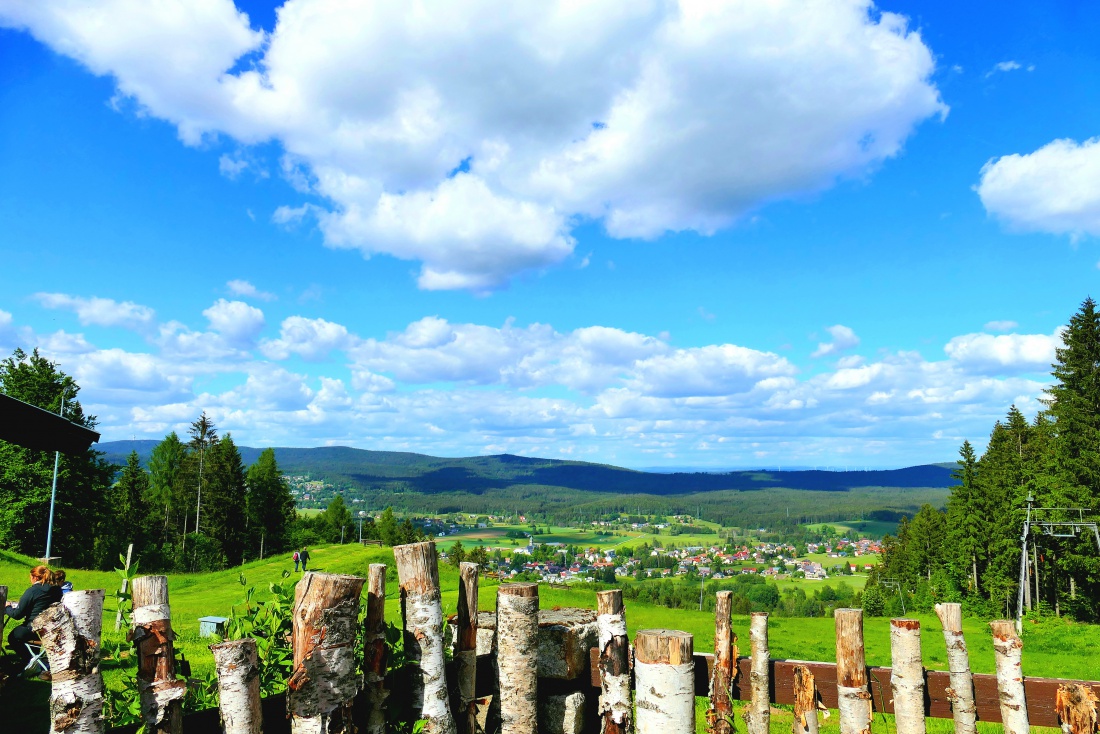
[{"x": 53, "y": 492}]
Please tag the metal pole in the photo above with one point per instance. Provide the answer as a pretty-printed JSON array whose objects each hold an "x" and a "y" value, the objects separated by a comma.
[{"x": 53, "y": 491}]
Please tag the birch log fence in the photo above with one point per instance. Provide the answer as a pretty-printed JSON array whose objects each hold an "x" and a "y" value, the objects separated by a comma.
[{"x": 563, "y": 671}]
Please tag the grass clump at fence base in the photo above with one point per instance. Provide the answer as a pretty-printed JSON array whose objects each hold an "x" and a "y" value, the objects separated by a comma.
[{"x": 1053, "y": 647}]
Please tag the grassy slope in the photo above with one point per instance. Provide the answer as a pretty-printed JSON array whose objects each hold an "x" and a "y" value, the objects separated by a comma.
[{"x": 1054, "y": 649}]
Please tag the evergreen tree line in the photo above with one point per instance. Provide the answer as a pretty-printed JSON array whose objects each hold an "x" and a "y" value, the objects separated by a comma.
[
  {"x": 970, "y": 550},
  {"x": 196, "y": 508}
]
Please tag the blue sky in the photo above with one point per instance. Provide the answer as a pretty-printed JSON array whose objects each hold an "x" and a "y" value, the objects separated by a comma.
[{"x": 662, "y": 234}]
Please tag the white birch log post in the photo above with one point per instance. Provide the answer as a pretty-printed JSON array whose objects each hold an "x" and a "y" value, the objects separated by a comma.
[
  {"x": 517, "y": 657},
  {"x": 720, "y": 713},
  {"x": 237, "y": 665},
  {"x": 1007, "y": 648},
  {"x": 758, "y": 714},
  {"x": 161, "y": 694},
  {"x": 323, "y": 683},
  {"x": 805, "y": 701},
  {"x": 961, "y": 692},
  {"x": 375, "y": 652},
  {"x": 853, "y": 696},
  {"x": 907, "y": 676},
  {"x": 70, "y": 634},
  {"x": 1076, "y": 708},
  {"x": 616, "y": 709},
  {"x": 418, "y": 574},
  {"x": 466, "y": 648},
  {"x": 664, "y": 672}
]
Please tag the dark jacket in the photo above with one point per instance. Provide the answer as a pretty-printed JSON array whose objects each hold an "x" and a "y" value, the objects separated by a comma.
[{"x": 34, "y": 601}]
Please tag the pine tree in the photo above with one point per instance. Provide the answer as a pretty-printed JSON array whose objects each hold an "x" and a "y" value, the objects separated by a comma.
[
  {"x": 167, "y": 487},
  {"x": 226, "y": 499},
  {"x": 387, "y": 527},
  {"x": 271, "y": 507},
  {"x": 203, "y": 436},
  {"x": 965, "y": 548},
  {"x": 1074, "y": 409},
  {"x": 129, "y": 501}
]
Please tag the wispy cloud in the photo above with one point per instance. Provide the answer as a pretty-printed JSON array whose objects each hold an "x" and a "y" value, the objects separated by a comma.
[{"x": 246, "y": 290}]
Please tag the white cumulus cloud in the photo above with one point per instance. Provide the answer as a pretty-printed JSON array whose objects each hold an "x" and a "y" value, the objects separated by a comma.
[
  {"x": 843, "y": 339},
  {"x": 309, "y": 338},
  {"x": 1005, "y": 352},
  {"x": 472, "y": 137},
  {"x": 100, "y": 311},
  {"x": 245, "y": 289},
  {"x": 237, "y": 322},
  {"x": 1055, "y": 189}
]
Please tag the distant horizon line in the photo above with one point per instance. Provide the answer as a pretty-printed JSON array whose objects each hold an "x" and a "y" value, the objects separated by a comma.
[{"x": 655, "y": 469}]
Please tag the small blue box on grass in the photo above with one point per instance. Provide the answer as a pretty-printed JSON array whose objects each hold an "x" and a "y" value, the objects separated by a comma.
[{"x": 210, "y": 626}]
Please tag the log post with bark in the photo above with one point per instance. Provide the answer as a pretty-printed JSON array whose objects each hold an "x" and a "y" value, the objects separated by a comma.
[
  {"x": 375, "y": 651},
  {"x": 517, "y": 657},
  {"x": 1007, "y": 648},
  {"x": 961, "y": 692},
  {"x": 1076, "y": 708},
  {"x": 466, "y": 649},
  {"x": 323, "y": 683},
  {"x": 758, "y": 713},
  {"x": 853, "y": 696},
  {"x": 720, "y": 714},
  {"x": 418, "y": 574},
  {"x": 616, "y": 710},
  {"x": 70, "y": 634},
  {"x": 3, "y": 607},
  {"x": 664, "y": 670},
  {"x": 805, "y": 701},
  {"x": 160, "y": 692},
  {"x": 907, "y": 676},
  {"x": 237, "y": 665}
]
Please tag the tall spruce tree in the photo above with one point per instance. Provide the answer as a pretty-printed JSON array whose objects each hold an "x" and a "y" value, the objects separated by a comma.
[
  {"x": 1074, "y": 409},
  {"x": 167, "y": 485},
  {"x": 965, "y": 521},
  {"x": 271, "y": 507},
  {"x": 133, "y": 524},
  {"x": 226, "y": 499}
]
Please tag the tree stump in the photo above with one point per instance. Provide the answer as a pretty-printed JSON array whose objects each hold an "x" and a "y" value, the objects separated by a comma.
[
  {"x": 961, "y": 692},
  {"x": 907, "y": 677},
  {"x": 160, "y": 692},
  {"x": 323, "y": 682},
  {"x": 375, "y": 652},
  {"x": 615, "y": 704},
  {"x": 517, "y": 657},
  {"x": 3, "y": 606},
  {"x": 237, "y": 665},
  {"x": 418, "y": 573},
  {"x": 70, "y": 634},
  {"x": 805, "y": 701},
  {"x": 758, "y": 714},
  {"x": 853, "y": 697},
  {"x": 1007, "y": 648},
  {"x": 1076, "y": 708},
  {"x": 664, "y": 670},
  {"x": 466, "y": 649}
]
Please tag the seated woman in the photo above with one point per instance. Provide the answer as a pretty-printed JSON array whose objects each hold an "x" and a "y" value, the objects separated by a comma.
[{"x": 41, "y": 594}]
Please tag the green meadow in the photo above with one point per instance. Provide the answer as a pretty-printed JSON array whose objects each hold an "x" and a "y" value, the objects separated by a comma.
[{"x": 1053, "y": 648}]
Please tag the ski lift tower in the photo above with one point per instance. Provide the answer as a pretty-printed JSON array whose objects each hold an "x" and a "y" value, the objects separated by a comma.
[{"x": 1054, "y": 522}]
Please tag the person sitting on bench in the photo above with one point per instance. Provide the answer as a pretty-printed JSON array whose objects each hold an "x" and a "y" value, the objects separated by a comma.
[{"x": 41, "y": 594}]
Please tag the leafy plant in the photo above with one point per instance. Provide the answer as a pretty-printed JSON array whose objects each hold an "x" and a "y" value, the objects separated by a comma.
[
  {"x": 124, "y": 600},
  {"x": 270, "y": 624}
]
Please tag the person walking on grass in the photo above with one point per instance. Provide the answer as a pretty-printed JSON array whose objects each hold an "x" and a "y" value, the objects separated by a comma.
[
  {"x": 296, "y": 561},
  {"x": 304, "y": 557}
]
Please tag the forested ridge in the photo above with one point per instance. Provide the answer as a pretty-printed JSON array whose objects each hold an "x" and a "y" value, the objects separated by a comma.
[{"x": 970, "y": 551}]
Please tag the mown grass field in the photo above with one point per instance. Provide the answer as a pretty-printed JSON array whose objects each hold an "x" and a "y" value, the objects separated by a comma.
[
  {"x": 871, "y": 528},
  {"x": 1052, "y": 649}
]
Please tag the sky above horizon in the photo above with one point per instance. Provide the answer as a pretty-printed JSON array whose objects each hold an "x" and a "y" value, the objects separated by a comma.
[{"x": 650, "y": 234}]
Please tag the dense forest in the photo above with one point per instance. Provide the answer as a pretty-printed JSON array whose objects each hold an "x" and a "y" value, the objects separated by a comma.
[
  {"x": 970, "y": 551},
  {"x": 194, "y": 506}
]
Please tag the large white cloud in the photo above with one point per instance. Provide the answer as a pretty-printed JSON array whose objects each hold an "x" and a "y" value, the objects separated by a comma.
[
  {"x": 97, "y": 311},
  {"x": 1005, "y": 352},
  {"x": 472, "y": 136},
  {"x": 1055, "y": 189}
]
